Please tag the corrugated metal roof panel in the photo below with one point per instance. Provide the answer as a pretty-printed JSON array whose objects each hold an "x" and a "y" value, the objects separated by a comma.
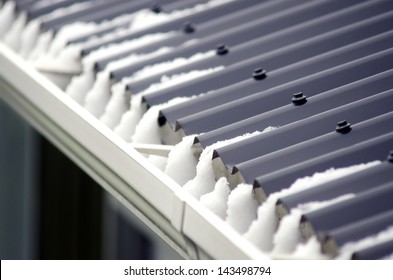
[
  {"x": 212, "y": 28},
  {"x": 39, "y": 8},
  {"x": 317, "y": 104},
  {"x": 238, "y": 34},
  {"x": 364, "y": 205},
  {"x": 297, "y": 153},
  {"x": 319, "y": 82},
  {"x": 370, "y": 150},
  {"x": 300, "y": 66},
  {"x": 357, "y": 231},
  {"x": 302, "y": 47},
  {"x": 249, "y": 106},
  {"x": 365, "y": 180},
  {"x": 242, "y": 71},
  {"x": 378, "y": 251},
  {"x": 153, "y": 6},
  {"x": 174, "y": 24},
  {"x": 211, "y": 100},
  {"x": 69, "y": 16}
]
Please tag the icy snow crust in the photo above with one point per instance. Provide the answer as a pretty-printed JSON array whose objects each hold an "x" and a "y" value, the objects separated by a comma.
[
  {"x": 135, "y": 125},
  {"x": 81, "y": 85},
  {"x": 97, "y": 98},
  {"x": 262, "y": 230},
  {"x": 287, "y": 236},
  {"x": 128, "y": 122},
  {"x": 216, "y": 201},
  {"x": 55, "y": 52},
  {"x": 258, "y": 223},
  {"x": 241, "y": 208},
  {"x": 183, "y": 152},
  {"x": 147, "y": 130},
  {"x": 205, "y": 178},
  {"x": 116, "y": 106},
  {"x": 11, "y": 38},
  {"x": 66, "y": 10},
  {"x": 43, "y": 42},
  {"x": 7, "y": 17},
  {"x": 129, "y": 45},
  {"x": 351, "y": 247},
  {"x": 158, "y": 68},
  {"x": 170, "y": 81},
  {"x": 29, "y": 37}
]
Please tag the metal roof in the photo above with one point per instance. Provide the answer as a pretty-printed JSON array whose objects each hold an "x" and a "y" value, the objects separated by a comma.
[{"x": 320, "y": 72}]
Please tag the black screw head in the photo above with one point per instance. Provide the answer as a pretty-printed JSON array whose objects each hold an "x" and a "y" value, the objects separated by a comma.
[
  {"x": 390, "y": 157},
  {"x": 299, "y": 99},
  {"x": 343, "y": 127},
  {"x": 188, "y": 27},
  {"x": 259, "y": 74},
  {"x": 156, "y": 8},
  {"x": 222, "y": 49}
]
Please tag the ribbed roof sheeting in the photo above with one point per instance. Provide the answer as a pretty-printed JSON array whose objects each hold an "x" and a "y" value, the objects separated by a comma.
[{"x": 320, "y": 72}]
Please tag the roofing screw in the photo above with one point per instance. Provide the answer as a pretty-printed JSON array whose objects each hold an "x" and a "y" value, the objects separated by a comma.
[
  {"x": 156, "y": 8},
  {"x": 188, "y": 27},
  {"x": 343, "y": 127},
  {"x": 390, "y": 157},
  {"x": 259, "y": 74},
  {"x": 299, "y": 99},
  {"x": 222, "y": 49}
]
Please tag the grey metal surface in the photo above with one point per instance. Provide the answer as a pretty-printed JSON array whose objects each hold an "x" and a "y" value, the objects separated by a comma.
[
  {"x": 217, "y": 97},
  {"x": 378, "y": 251},
  {"x": 370, "y": 150},
  {"x": 70, "y": 16},
  {"x": 215, "y": 28},
  {"x": 227, "y": 35},
  {"x": 175, "y": 24},
  {"x": 283, "y": 54},
  {"x": 362, "y": 206},
  {"x": 364, "y": 180},
  {"x": 303, "y": 129},
  {"x": 105, "y": 30},
  {"x": 39, "y": 8},
  {"x": 314, "y": 147},
  {"x": 355, "y": 231},
  {"x": 244, "y": 69},
  {"x": 250, "y": 105}
]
